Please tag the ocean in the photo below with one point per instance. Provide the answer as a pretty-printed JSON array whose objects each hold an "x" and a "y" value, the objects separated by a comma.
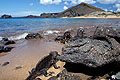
[{"x": 10, "y": 27}]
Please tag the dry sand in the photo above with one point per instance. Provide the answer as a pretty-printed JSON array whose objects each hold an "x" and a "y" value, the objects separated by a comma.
[
  {"x": 26, "y": 55},
  {"x": 102, "y": 17}
]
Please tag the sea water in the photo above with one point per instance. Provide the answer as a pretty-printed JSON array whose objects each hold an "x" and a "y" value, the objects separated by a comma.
[{"x": 9, "y": 27}]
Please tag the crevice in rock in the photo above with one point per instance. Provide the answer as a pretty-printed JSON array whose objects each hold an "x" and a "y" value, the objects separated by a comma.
[{"x": 98, "y": 71}]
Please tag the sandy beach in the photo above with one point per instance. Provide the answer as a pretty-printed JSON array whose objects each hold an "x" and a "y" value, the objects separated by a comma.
[
  {"x": 26, "y": 55},
  {"x": 101, "y": 17}
]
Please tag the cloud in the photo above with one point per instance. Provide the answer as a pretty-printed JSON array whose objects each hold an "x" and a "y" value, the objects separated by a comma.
[
  {"x": 65, "y": 7},
  {"x": 118, "y": 7},
  {"x": 107, "y": 1},
  {"x": 87, "y": 1},
  {"x": 73, "y": 2},
  {"x": 79, "y": 1},
  {"x": 31, "y": 4},
  {"x": 66, "y": 3},
  {"x": 50, "y": 1}
]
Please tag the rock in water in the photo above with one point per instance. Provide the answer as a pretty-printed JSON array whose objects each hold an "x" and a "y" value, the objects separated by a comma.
[
  {"x": 65, "y": 38},
  {"x": 5, "y": 49},
  {"x": 33, "y": 36},
  {"x": 101, "y": 33},
  {"x": 64, "y": 75},
  {"x": 43, "y": 65},
  {"x": 6, "y": 41}
]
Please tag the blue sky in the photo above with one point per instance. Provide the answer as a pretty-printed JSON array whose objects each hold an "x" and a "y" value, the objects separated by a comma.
[{"x": 36, "y": 7}]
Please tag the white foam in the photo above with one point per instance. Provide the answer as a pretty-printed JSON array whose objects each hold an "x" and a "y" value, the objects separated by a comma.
[
  {"x": 51, "y": 32},
  {"x": 18, "y": 37}
]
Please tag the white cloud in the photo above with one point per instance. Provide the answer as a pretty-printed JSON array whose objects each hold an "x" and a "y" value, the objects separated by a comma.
[
  {"x": 118, "y": 7},
  {"x": 107, "y": 1},
  {"x": 65, "y": 7},
  {"x": 66, "y": 3},
  {"x": 50, "y": 1},
  {"x": 73, "y": 2},
  {"x": 31, "y": 4},
  {"x": 87, "y": 1},
  {"x": 79, "y": 1}
]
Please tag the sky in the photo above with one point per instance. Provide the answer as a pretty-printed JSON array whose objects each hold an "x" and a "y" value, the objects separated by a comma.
[{"x": 36, "y": 7}]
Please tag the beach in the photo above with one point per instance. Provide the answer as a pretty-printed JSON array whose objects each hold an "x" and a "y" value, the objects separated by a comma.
[
  {"x": 27, "y": 56},
  {"x": 27, "y": 53}
]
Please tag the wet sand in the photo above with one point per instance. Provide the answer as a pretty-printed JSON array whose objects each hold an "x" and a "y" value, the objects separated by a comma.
[{"x": 26, "y": 55}]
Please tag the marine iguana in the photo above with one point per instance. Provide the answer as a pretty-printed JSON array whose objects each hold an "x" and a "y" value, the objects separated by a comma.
[{"x": 43, "y": 65}]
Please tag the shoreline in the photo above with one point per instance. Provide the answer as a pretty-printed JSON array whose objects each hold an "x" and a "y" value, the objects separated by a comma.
[{"x": 94, "y": 17}]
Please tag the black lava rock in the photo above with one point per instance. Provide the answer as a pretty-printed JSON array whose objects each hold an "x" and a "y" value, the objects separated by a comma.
[{"x": 33, "y": 36}]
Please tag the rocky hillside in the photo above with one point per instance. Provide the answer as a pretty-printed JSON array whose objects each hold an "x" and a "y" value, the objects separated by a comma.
[{"x": 78, "y": 10}]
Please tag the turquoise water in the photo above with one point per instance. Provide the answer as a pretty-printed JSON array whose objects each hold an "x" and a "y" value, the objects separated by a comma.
[{"x": 14, "y": 26}]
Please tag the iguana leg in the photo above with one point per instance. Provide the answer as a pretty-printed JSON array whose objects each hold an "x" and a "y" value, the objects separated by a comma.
[
  {"x": 50, "y": 73},
  {"x": 45, "y": 72},
  {"x": 55, "y": 66}
]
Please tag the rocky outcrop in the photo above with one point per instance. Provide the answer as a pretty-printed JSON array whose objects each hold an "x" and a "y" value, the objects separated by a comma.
[
  {"x": 33, "y": 36},
  {"x": 78, "y": 10},
  {"x": 64, "y": 75},
  {"x": 6, "y": 16},
  {"x": 92, "y": 55}
]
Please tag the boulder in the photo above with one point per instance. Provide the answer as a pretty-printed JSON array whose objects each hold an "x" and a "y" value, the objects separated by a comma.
[
  {"x": 101, "y": 33},
  {"x": 6, "y": 41},
  {"x": 91, "y": 56},
  {"x": 64, "y": 75},
  {"x": 5, "y": 49},
  {"x": 65, "y": 38},
  {"x": 33, "y": 36}
]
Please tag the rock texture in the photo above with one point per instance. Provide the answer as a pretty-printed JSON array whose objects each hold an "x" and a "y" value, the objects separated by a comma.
[
  {"x": 78, "y": 10},
  {"x": 101, "y": 33},
  {"x": 93, "y": 56},
  {"x": 33, "y": 36},
  {"x": 65, "y": 38},
  {"x": 5, "y": 49},
  {"x": 64, "y": 75},
  {"x": 6, "y": 41}
]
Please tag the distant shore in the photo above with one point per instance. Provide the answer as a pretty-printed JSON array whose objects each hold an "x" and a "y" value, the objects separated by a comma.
[{"x": 102, "y": 17}]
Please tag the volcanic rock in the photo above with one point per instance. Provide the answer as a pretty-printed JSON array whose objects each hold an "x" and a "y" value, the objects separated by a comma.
[
  {"x": 5, "y": 49},
  {"x": 64, "y": 75},
  {"x": 101, "y": 33},
  {"x": 33, "y": 36},
  {"x": 65, "y": 38}
]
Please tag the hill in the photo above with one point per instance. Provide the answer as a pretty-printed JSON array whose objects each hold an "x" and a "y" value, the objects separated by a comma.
[{"x": 78, "y": 10}]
